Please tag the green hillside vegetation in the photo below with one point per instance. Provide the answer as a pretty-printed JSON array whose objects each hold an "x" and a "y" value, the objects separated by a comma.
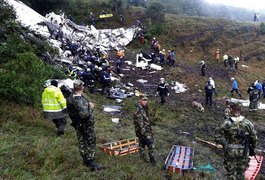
[{"x": 29, "y": 146}]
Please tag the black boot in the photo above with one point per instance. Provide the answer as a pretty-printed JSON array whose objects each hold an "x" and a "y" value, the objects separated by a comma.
[
  {"x": 60, "y": 133},
  {"x": 94, "y": 166},
  {"x": 143, "y": 157},
  {"x": 153, "y": 161}
]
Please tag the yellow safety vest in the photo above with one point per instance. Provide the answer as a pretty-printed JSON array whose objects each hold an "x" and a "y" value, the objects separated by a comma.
[{"x": 53, "y": 100}]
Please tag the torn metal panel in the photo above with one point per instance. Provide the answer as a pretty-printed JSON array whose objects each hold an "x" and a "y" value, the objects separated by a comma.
[
  {"x": 117, "y": 93},
  {"x": 179, "y": 88},
  {"x": 111, "y": 109},
  {"x": 156, "y": 67},
  {"x": 89, "y": 37},
  {"x": 142, "y": 81}
]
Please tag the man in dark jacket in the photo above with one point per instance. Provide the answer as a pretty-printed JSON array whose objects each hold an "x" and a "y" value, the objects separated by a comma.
[
  {"x": 209, "y": 93},
  {"x": 162, "y": 90},
  {"x": 144, "y": 131},
  {"x": 203, "y": 66},
  {"x": 253, "y": 97},
  {"x": 80, "y": 111}
]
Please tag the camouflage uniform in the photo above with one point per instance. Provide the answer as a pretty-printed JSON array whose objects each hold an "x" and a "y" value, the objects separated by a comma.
[
  {"x": 144, "y": 132},
  {"x": 233, "y": 135},
  {"x": 83, "y": 122}
]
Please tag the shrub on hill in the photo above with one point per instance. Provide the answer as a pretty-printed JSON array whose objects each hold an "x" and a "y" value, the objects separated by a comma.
[
  {"x": 262, "y": 28},
  {"x": 22, "y": 72}
]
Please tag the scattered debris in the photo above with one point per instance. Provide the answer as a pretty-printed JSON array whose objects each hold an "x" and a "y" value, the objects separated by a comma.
[
  {"x": 245, "y": 66},
  {"x": 179, "y": 88},
  {"x": 115, "y": 120},
  {"x": 142, "y": 81},
  {"x": 245, "y": 103},
  {"x": 111, "y": 109}
]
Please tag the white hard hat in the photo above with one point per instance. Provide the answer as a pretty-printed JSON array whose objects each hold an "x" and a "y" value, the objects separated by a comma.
[{"x": 232, "y": 78}]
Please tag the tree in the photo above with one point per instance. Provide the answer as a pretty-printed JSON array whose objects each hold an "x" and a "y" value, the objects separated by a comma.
[{"x": 156, "y": 13}]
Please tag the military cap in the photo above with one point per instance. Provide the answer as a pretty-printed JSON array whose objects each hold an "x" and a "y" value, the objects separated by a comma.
[{"x": 78, "y": 83}]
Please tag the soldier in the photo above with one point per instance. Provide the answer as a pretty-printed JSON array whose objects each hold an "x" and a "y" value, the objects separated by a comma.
[
  {"x": 143, "y": 130},
  {"x": 54, "y": 106},
  {"x": 162, "y": 90},
  {"x": 80, "y": 111},
  {"x": 253, "y": 97},
  {"x": 238, "y": 138},
  {"x": 227, "y": 111},
  {"x": 209, "y": 93}
]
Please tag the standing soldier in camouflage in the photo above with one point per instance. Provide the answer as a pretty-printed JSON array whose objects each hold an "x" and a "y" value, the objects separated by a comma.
[
  {"x": 143, "y": 130},
  {"x": 238, "y": 138},
  {"x": 80, "y": 111}
]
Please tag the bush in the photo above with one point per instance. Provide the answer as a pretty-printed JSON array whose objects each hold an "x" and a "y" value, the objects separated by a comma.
[
  {"x": 262, "y": 28},
  {"x": 22, "y": 78}
]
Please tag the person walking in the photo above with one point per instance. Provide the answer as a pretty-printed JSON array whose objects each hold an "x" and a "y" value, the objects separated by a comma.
[
  {"x": 213, "y": 84},
  {"x": 217, "y": 55},
  {"x": 203, "y": 66},
  {"x": 162, "y": 90},
  {"x": 225, "y": 59},
  {"x": 238, "y": 138},
  {"x": 54, "y": 106},
  {"x": 144, "y": 131},
  {"x": 81, "y": 113},
  {"x": 254, "y": 96},
  {"x": 234, "y": 87},
  {"x": 209, "y": 93}
]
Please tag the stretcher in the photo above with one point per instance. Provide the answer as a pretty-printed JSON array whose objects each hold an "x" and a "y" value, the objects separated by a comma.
[
  {"x": 254, "y": 167},
  {"x": 180, "y": 159}
]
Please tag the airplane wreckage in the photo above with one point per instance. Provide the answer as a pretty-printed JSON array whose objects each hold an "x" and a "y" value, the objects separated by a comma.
[{"x": 57, "y": 30}]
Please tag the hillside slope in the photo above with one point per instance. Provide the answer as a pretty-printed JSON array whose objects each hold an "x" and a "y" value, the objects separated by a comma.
[{"x": 30, "y": 150}]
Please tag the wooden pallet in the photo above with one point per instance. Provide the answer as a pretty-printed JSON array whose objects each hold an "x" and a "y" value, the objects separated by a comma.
[
  {"x": 179, "y": 159},
  {"x": 254, "y": 167},
  {"x": 121, "y": 148}
]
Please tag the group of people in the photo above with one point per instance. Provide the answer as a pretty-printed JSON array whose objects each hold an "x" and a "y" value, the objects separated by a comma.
[
  {"x": 168, "y": 57},
  {"x": 231, "y": 62},
  {"x": 237, "y": 134},
  {"x": 80, "y": 110}
]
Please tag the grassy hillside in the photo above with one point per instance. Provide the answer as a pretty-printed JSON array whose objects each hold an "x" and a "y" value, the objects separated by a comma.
[{"x": 30, "y": 149}]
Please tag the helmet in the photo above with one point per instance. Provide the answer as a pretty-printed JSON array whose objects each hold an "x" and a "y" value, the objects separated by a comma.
[{"x": 232, "y": 78}]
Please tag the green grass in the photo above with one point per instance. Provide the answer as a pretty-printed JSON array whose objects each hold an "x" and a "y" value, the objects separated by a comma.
[{"x": 30, "y": 149}]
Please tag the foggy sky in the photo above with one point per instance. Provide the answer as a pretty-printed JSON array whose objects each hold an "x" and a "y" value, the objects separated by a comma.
[{"x": 255, "y": 5}]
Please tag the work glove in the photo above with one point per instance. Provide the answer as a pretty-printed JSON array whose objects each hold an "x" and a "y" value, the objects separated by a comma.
[{"x": 167, "y": 94}]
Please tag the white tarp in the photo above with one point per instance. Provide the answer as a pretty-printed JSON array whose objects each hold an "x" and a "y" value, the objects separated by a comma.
[{"x": 245, "y": 103}]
